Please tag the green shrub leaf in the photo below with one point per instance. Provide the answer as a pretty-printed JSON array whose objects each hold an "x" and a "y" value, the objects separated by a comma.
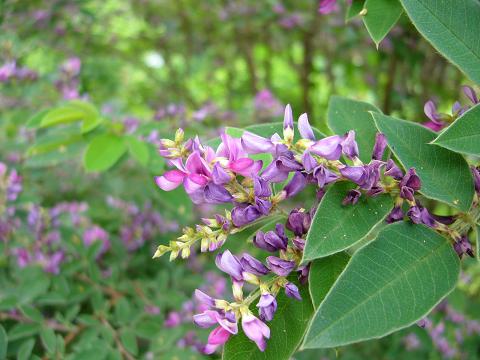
[
  {"x": 336, "y": 227},
  {"x": 452, "y": 28},
  {"x": 445, "y": 175},
  {"x": 103, "y": 152},
  {"x": 388, "y": 285},
  {"x": 381, "y": 16},
  {"x": 463, "y": 135}
]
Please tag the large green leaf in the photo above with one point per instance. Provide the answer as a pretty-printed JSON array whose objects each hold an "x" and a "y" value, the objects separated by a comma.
[
  {"x": 287, "y": 330},
  {"x": 336, "y": 227},
  {"x": 323, "y": 273},
  {"x": 381, "y": 16},
  {"x": 452, "y": 27},
  {"x": 346, "y": 114},
  {"x": 477, "y": 241},
  {"x": 103, "y": 152},
  {"x": 464, "y": 134},
  {"x": 445, "y": 175},
  {"x": 388, "y": 285}
]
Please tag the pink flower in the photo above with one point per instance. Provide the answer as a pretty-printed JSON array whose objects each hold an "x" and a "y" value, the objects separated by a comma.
[
  {"x": 327, "y": 6},
  {"x": 238, "y": 160},
  {"x": 256, "y": 330},
  {"x": 219, "y": 336}
]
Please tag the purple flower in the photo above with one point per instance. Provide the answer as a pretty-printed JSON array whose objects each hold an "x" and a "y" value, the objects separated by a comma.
[
  {"x": 327, "y": 6},
  {"x": 471, "y": 94},
  {"x": 221, "y": 333},
  {"x": 352, "y": 197},
  {"x": 303, "y": 271},
  {"x": 304, "y": 128},
  {"x": 242, "y": 215},
  {"x": 219, "y": 175},
  {"x": 279, "y": 266},
  {"x": 324, "y": 176},
  {"x": 349, "y": 145},
  {"x": 229, "y": 263},
  {"x": 420, "y": 215},
  {"x": 366, "y": 176},
  {"x": 238, "y": 160},
  {"x": 392, "y": 170},
  {"x": 173, "y": 320},
  {"x": 379, "y": 147},
  {"x": 96, "y": 233},
  {"x": 204, "y": 298},
  {"x": 291, "y": 290},
  {"x": 409, "y": 184},
  {"x": 330, "y": 147},
  {"x": 278, "y": 170},
  {"x": 267, "y": 305},
  {"x": 253, "y": 266},
  {"x": 476, "y": 178},
  {"x": 463, "y": 246},
  {"x": 395, "y": 215},
  {"x": 288, "y": 131},
  {"x": 217, "y": 194},
  {"x": 255, "y": 144},
  {"x": 298, "y": 222},
  {"x": 309, "y": 162},
  {"x": 255, "y": 330},
  {"x": 272, "y": 240},
  {"x": 23, "y": 257},
  {"x": 261, "y": 187},
  {"x": 295, "y": 185}
]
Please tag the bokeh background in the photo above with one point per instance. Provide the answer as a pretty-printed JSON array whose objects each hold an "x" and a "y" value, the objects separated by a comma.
[{"x": 76, "y": 276}]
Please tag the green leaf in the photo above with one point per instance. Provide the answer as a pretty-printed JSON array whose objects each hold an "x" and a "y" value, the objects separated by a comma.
[
  {"x": 20, "y": 331},
  {"x": 452, "y": 28},
  {"x": 381, "y": 16},
  {"x": 336, "y": 227},
  {"x": 3, "y": 343},
  {"x": 354, "y": 9},
  {"x": 36, "y": 119},
  {"x": 346, "y": 114},
  {"x": 62, "y": 115},
  {"x": 388, "y": 285},
  {"x": 103, "y": 152},
  {"x": 463, "y": 135},
  {"x": 31, "y": 313},
  {"x": 49, "y": 339},
  {"x": 445, "y": 175},
  {"x": 323, "y": 273},
  {"x": 25, "y": 350},
  {"x": 287, "y": 329},
  {"x": 123, "y": 311},
  {"x": 138, "y": 149},
  {"x": 129, "y": 340}
]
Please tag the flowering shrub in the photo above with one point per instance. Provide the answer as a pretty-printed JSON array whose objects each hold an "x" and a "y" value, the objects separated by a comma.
[
  {"x": 351, "y": 235},
  {"x": 353, "y": 199}
]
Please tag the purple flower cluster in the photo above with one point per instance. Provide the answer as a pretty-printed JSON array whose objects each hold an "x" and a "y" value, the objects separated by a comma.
[
  {"x": 69, "y": 82},
  {"x": 228, "y": 175},
  {"x": 140, "y": 225},
  {"x": 451, "y": 321},
  {"x": 10, "y": 188},
  {"x": 10, "y": 71},
  {"x": 437, "y": 121},
  {"x": 267, "y": 105},
  {"x": 269, "y": 278},
  {"x": 47, "y": 249}
]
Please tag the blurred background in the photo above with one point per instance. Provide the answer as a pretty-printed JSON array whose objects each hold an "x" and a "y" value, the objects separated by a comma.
[{"x": 76, "y": 275}]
